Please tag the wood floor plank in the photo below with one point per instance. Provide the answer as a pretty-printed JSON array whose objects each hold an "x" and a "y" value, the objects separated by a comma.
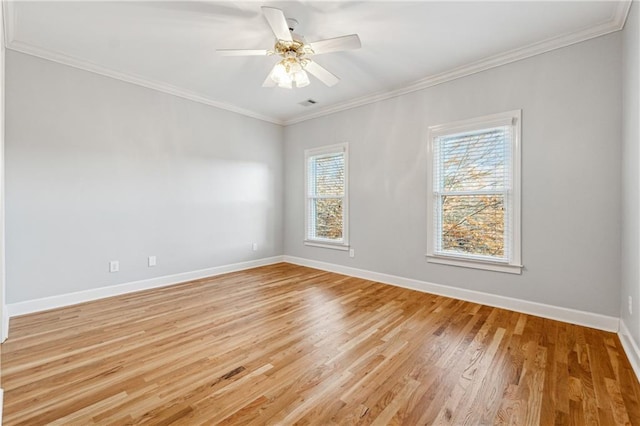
[{"x": 285, "y": 344}]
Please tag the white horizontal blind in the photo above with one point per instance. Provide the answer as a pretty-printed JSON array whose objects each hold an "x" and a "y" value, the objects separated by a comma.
[
  {"x": 326, "y": 182},
  {"x": 472, "y": 193}
]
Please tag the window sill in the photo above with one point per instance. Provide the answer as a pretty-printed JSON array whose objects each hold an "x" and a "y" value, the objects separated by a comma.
[
  {"x": 337, "y": 246},
  {"x": 466, "y": 263}
]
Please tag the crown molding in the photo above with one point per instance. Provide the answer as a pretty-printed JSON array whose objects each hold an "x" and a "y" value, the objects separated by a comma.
[
  {"x": 11, "y": 21},
  {"x": 613, "y": 24},
  {"x": 50, "y": 55},
  {"x": 9, "y": 17}
]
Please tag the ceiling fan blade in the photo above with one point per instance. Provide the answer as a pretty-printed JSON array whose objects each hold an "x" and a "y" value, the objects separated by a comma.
[
  {"x": 321, "y": 74},
  {"x": 242, "y": 52},
  {"x": 337, "y": 44},
  {"x": 277, "y": 22}
]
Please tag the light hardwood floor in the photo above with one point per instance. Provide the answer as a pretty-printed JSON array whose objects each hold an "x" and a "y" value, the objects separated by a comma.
[{"x": 283, "y": 344}]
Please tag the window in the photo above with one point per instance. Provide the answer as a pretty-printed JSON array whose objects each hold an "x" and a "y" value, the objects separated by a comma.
[
  {"x": 326, "y": 197},
  {"x": 474, "y": 193}
]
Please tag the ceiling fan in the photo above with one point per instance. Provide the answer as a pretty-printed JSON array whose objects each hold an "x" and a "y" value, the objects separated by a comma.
[{"x": 296, "y": 53}]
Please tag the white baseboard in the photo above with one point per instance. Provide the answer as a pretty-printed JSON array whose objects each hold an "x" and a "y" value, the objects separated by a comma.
[
  {"x": 4, "y": 330},
  {"x": 45, "y": 303},
  {"x": 630, "y": 348},
  {"x": 573, "y": 316},
  {"x": 588, "y": 319}
]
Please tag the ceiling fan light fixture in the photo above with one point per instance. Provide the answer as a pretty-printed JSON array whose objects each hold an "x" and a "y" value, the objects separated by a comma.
[
  {"x": 293, "y": 66},
  {"x": 280, "y": 75},
  {"x": 301, "y": 78},
  {"x": 288, "y": 71},
  {"x": 295, "y": 52}
]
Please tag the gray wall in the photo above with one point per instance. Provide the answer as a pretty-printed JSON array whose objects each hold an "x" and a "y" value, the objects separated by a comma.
[
  {"x": 630, "y": 176},
  {"x": 570, "y": 100},
  {"x": 99, "y": 170}
]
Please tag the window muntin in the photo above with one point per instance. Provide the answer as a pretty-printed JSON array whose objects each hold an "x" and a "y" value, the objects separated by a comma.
[
  {"x": 474, "y": 191},
  {"x": 326, "y": 195}
]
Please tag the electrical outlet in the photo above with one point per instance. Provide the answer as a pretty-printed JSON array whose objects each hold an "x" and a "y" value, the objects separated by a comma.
[
  {"x": 254, "y": 247},
  {"x": 352, "y": 253},
  {"x": 630, "y": 305},
  {"x": 114, "y": 266},
  {"x": 152, "y": 261}
]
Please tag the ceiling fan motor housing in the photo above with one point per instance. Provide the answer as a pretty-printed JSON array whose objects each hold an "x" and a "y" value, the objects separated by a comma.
[{"x": 296, "y": 48}]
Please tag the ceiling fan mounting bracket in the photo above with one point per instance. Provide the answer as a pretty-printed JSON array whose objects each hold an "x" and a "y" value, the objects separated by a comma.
[{"x": 292, "y": 24}]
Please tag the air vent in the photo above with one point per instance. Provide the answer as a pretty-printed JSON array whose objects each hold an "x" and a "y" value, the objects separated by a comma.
[{"x": 308, "y": 103}]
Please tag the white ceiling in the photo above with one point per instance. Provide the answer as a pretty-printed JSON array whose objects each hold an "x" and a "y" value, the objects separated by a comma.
[{"x": 170, "y": 46}]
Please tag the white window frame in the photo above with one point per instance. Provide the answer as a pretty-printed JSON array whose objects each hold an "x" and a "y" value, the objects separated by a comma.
[
  {"x": 513, "y": 264},
  {"x": 324, "y": 242}
]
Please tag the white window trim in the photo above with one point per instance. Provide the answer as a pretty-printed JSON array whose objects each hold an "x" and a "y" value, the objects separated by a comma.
[
  {"x": 514, "y": 266},
  {"x": 322, "y": 242}
]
